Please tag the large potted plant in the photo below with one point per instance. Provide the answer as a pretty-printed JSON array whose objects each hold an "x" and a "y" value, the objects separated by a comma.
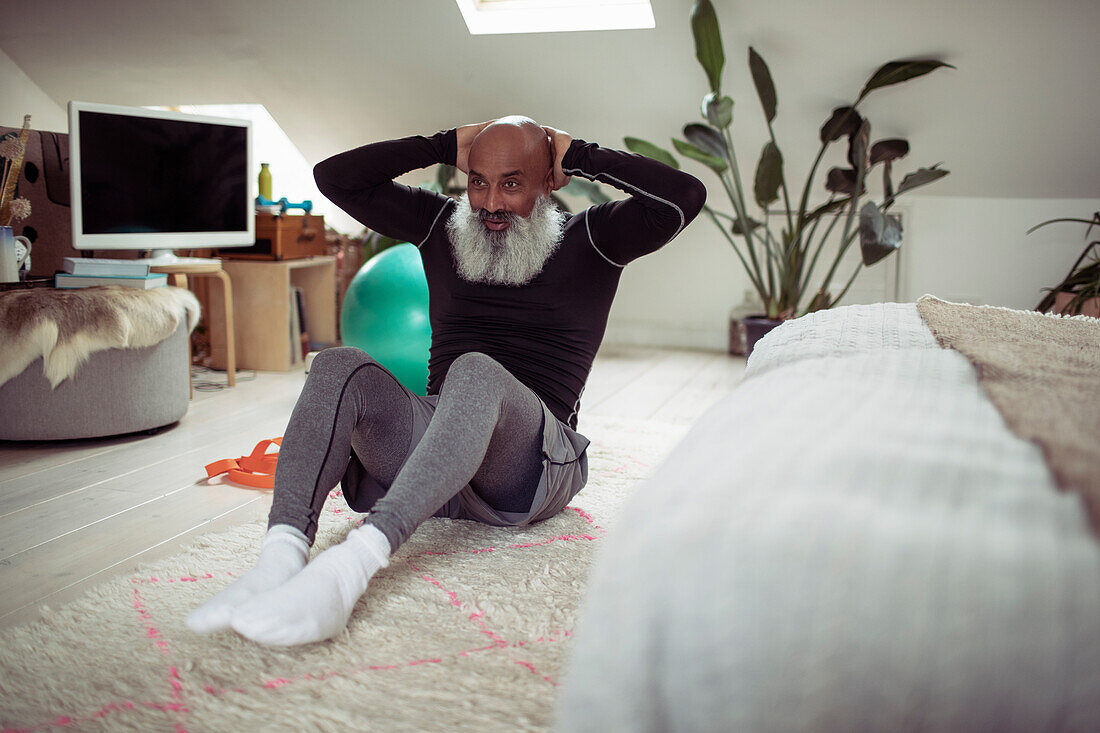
[
  {"x": 1079, "y": 291},
  {"x": 781, "y": 258}
]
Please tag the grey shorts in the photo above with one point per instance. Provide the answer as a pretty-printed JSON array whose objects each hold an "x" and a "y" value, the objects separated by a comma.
[{"x": 564, "y": 474}]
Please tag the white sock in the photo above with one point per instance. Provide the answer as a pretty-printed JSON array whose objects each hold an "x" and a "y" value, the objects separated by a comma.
[
  {"x": 316, "y": 603},
  {"x": 283, "y": 553}
]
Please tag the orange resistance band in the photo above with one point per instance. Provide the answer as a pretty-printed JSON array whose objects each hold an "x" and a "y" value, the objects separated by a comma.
[{"x": 254, "y": 471}]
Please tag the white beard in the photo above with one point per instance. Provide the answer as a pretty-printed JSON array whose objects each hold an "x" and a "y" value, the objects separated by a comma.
[{"x": 512, "y": 257}]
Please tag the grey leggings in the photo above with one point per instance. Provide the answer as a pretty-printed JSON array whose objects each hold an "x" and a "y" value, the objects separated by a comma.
[{"x": 486, "y": 431}]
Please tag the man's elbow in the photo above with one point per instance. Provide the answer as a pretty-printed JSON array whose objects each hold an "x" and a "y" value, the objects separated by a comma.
[
  {"x": 695, "y": 197},
  {"x": 322, "y": 175},
  {"x": 688, "y": 202}
]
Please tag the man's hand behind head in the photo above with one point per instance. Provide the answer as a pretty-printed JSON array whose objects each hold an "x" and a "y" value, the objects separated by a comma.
[
  {"x": 559, "y": 143},
  {"x": 465, "y": 138}
]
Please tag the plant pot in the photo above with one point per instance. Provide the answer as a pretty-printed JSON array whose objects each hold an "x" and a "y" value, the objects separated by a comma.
[
  {"x": 756, "y": 327},
  {"x": 737, "y": 337},
  {"x": 1090, "y": 307}
]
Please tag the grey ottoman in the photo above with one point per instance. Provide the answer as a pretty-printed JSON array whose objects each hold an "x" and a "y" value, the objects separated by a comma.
[{"x": 116, "y": 391}]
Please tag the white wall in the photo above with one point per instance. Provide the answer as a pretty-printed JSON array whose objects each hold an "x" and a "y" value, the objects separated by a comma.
[
  {"x": 976, "y": 250},
  {"x": 972, "y": 250},
  {"x": 962, "y": 249},
  {"x": 680, "y": 295},
  {"x": 20, "y": 96}
]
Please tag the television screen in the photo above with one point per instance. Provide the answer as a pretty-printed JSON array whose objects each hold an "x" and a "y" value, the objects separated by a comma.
[{"x": 148, "y": 179}]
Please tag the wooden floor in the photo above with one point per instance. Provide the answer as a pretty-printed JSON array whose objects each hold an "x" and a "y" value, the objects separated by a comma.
[{"x": 76, "y": 513}]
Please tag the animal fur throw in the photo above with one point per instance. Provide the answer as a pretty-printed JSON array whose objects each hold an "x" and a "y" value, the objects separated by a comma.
[{"x": 65, "y": 327}]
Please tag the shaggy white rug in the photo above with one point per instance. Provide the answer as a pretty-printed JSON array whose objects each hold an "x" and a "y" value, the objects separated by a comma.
[{"x": 468, "y": 628}]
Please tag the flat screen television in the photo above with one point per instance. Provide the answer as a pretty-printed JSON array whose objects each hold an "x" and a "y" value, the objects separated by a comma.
[{"x": 156, "y": 180}]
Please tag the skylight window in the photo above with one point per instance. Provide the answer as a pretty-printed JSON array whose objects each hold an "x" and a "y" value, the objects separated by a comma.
[{"x": 554, "y": 16}]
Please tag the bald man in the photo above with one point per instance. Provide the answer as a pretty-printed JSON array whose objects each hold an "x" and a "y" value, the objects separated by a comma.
[{"x": 519, "y": 298}]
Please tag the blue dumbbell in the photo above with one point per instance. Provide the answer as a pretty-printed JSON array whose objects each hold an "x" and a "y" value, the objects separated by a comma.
[{"x": 306, "y": 206}]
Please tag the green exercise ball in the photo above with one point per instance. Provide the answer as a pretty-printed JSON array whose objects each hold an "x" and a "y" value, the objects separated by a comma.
[{"x": 385, "y": 313}]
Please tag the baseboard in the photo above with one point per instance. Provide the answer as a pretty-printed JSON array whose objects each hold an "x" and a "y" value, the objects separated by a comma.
[{"x": 704, "y": 337}]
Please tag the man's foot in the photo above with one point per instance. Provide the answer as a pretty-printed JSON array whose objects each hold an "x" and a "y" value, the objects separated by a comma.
[
  {"x": 316, "y": 603},
  {"x": 284, "y": 552}
]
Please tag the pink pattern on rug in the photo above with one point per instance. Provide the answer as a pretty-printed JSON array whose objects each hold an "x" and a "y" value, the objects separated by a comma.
[
  {"x": 63, "y": 721},
  {"x": 184, "y": 579},
  {"x": 178, "y": 709},
  {"x": 436, "y": 583},
  {"x": 478, "y": 617},
  {"x": 153, "y": 632}
]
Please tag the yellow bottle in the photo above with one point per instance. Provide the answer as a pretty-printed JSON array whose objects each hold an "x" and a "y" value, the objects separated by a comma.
[{"x": 265, "y": 181}]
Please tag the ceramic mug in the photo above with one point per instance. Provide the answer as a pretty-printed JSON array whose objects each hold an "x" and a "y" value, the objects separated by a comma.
[{"x": 14, "y": 253}]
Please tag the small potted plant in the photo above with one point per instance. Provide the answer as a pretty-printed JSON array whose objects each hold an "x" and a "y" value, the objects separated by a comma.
[
  {"x": 781, "y": 258},
  {"x": 12, "y": 150},
  {"x": 1079, "y": 291}
]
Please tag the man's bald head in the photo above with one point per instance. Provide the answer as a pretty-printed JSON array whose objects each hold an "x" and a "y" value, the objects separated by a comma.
[
  {"x": 510, "y": 166},
  {"x": 516, "y": 136}
]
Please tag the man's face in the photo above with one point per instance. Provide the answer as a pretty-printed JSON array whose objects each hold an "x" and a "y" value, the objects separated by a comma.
[{"x": 508, "y": 173}]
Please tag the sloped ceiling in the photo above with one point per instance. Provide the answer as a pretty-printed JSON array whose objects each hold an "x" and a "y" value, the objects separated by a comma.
[{"x": 1018, "y": 118}]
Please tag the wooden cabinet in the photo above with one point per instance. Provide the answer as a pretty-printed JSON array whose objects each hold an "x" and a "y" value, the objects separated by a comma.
[
  {"x": 282, "y": 237},
  {"x": 263, "y": 304}
]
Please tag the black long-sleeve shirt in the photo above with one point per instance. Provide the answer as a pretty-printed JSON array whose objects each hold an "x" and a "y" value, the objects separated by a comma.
[{"x": 546, "y": 333}]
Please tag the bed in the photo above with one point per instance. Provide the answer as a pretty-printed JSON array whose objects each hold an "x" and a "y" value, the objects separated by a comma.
[{"x": 857, "y": 540}]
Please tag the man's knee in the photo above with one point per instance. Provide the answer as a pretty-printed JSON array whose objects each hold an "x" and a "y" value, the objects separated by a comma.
[
  {"x": 476, "y": 368},
  {"x": 340, "y": 359},
  {"x": 476, "y": 376}
]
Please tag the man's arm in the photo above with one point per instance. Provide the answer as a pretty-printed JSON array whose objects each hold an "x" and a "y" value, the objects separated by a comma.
[
  {"x": 360, "y": 182},
  {"x": 662, "y": 200}
]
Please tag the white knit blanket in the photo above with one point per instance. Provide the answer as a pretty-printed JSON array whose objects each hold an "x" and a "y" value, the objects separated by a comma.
[
  {"x": 853, "y": 540},
  {"x": 65, "y": 327}
]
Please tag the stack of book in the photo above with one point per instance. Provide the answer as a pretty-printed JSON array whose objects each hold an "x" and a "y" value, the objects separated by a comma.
[{"x": 84, "y": 272}]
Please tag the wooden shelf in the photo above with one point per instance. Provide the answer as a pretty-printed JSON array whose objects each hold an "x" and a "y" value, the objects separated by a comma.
[{"x": 262, "y": 310}]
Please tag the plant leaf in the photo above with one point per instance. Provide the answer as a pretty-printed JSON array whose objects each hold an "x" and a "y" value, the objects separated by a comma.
[
  {"x": 649, "y": 150},
  {"x": 841, "y": 180},
  {"x": 718, "y": 110},
  {"x": 889, "y": 149},
  {"x": 891, "y": 233},
  {"x": 737, "y": 228},
  {"x": 896, "y": 72},
  {"x": 820, "y": 301},
  {"x": 844, "y": 121},
  {"x": 708, "y": 42},
  {"x": 707, "y": 139},
  {"x": 858, "y": 144},
  {"x": 920, "y": 178},
  {"x": 690, "y": 151},
  {"x": 828, "y": 208},
  {"x": 762, "y": 79},
  {"x": 769, "y": 175},
  {"x": 587, "y": 189},
  {"x": 443, "y": 175},
  {"x": 879, "y": 236},
  {"x": 1091, "y": 222}
]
